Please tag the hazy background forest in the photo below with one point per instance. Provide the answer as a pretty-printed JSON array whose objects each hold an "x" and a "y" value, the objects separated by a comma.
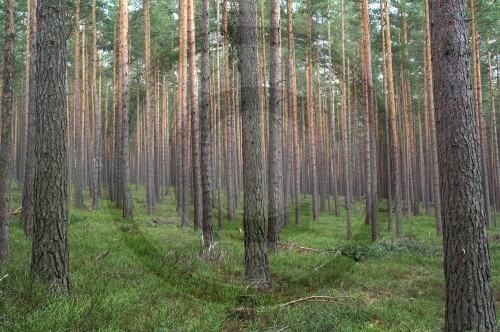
[{"x": 318, "y": 209}]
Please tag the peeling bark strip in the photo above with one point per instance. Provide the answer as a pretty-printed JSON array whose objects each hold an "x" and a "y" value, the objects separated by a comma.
[
  {"x": 256, "y": 260},
  {"x": 469, "y": 295},
  {"x": 50, "y": 254}
]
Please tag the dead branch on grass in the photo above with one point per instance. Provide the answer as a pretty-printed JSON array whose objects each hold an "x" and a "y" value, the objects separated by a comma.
[
  {"x": 339, "y": 300},
  {"x": 16, "y": 212}
]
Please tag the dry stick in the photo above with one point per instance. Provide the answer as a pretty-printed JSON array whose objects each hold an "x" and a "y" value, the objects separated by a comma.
[
  {"x": 320, "y": 298},
  {"x": 5, "y": 276},
  {"x": 102, "y": 255},
  {"x": 16, "y": 212}
]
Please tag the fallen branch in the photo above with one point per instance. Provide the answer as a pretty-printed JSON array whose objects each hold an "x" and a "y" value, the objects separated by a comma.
[
  {"x": 5, "y": 276},
  {"x": 16, "y": 212},
  {"x": 102, "y": 255},
  {"x": 321, "y": 298}
]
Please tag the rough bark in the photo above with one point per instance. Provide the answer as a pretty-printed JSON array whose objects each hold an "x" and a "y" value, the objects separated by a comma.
[
  {"x": 50, "y": 252},
  {"x": 256, "y": 259},
  {"x": 6, "y": 131},
  {"x": 469, "y": 295},
  {"x": 275, "y": 207}
]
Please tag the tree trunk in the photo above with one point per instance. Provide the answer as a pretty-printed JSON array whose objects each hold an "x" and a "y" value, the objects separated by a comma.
[
  {"x": 311, "y": 116},
  {"x": 394, "y": 127},
  {"x": 292, "y": 104},
  {"x": 370, "y": 134},
  {"x": 6, "y": 131},
  {"x": 97, "y": 116},
  {"x": 150, "y": 197},
  {"x": 256, "y": 260},
  {"x": 206, "y": 132},
  {"x": 125, "y": 97},
  {"x": 29, "y": 175},
  {"x": 332, "y": 120},
  {"x": 78, "y": 114},
  {"x": 195, "y": 133},
  {"x": 50, "y": 253},
  {"x": 470, "y": 304},
  {"x": 433, "y": 145},
  {"x": 345, "y": 138},
  {"x": 230, "y": 167},
  {"x": 183, "y": 112},
  {"x": 219, "y": 126},
  {"x": 275, "y": 207}
]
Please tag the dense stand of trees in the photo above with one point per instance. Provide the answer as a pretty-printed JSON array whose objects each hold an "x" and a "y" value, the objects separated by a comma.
[{"x": 297, "y": 100}]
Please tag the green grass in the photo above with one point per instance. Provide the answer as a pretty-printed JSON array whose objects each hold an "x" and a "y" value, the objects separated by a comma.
[{"x": 154, "y": 280}]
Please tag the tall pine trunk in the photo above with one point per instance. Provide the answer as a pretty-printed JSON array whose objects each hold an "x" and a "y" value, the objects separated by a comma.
[
  {"x": 275, "y": 207},
  {"x": 206, "y": 131},
  {"x": 195, "y": 133},
  {"x": 256, "y": 259},
  {"x": 6, "y": 131},
  {"x": 50, "y": 252},
  {"x": 470, "y": 304}
]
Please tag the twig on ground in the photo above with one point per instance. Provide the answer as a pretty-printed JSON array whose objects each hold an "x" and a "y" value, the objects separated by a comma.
[
  {"x": 16, "y": 212},
  {"x": 101, "y": 255},
  {"x": 5, "y": 276},
  {"x": 321, "y": 298}
]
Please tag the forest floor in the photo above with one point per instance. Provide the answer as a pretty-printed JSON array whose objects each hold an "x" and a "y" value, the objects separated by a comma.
[{"x": 146, "y": 274}]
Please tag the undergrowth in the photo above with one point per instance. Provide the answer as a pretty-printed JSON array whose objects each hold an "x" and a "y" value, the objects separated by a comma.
[{"x": 146, "y": 274}]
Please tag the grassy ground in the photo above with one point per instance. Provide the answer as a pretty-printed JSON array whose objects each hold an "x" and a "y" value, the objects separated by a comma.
[{"x": 153, "y": 279}]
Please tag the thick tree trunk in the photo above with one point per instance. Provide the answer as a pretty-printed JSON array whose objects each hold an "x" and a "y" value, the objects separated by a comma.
[
  {"x": 6, "y": 131},
  {"x": 50, "y": 253},
  {"x": 470, "y": 304},
  {"x": 256, "y": 260},
  {"x": 275, "y": 207}
]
